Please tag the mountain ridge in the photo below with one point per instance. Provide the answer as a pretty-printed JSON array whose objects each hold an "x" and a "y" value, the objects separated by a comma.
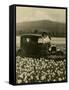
[{"x": 54, "y": 28}]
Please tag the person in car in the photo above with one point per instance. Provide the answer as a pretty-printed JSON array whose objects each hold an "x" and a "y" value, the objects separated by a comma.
[
  {"x": 46, "y": 43},
  {"x": 46, "y": 39}
]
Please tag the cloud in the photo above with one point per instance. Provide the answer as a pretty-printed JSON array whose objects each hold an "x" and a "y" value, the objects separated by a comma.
[{"x": 24, "y": 14}]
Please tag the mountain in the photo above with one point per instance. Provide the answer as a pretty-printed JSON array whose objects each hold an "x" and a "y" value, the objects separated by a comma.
[{"x": 54, "y": 28}]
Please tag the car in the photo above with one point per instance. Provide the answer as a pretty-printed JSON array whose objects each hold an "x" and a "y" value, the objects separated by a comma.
[{"x": 31, "y": 46}]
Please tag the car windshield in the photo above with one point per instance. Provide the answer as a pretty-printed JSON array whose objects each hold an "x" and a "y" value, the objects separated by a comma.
[
  {"x": 39, "y": 40},
  {"x": 30, "y": 40}
]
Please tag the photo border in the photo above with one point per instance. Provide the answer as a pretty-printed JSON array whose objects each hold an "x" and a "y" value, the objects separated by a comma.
[{"x": 39, "y": 6}]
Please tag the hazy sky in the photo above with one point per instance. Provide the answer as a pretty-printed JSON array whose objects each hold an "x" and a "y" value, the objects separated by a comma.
[{"x": 24, "y": 14}]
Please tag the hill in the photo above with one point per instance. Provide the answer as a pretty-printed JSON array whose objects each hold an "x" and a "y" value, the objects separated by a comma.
[{"x": 54, "y": 28}]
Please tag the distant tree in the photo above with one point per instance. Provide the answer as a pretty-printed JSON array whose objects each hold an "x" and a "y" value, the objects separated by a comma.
[{"x": 35, "y": 31}]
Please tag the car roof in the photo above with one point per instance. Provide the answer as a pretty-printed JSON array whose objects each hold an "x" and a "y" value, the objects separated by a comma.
[{"x": 31, "y": 35}]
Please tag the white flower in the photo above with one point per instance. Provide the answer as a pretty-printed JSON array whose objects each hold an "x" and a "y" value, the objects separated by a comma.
[
  {"x": 21, "y": 76},
  {"x": 43, "y": 77},
  {"x": 26, "y": 81},
  {"x": 19, "y": 81},
  {"x": 37, "y": 77},
  {"x": 60, "y": 79},
  {"x": 54, "y": 80},
  {"x": 31, "y": 77}
]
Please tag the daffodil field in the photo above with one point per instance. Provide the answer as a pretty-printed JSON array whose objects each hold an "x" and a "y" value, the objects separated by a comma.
[{"x": 37, "y": 70}]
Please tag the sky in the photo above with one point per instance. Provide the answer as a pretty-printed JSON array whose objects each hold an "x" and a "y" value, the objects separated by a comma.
[{"x": 25, "y": 14}]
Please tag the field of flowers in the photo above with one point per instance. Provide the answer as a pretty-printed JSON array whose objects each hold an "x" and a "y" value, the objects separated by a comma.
[{"x": 32, "y": 70}]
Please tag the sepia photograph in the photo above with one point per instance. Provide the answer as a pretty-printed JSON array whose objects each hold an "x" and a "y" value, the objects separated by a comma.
[{"x": 41, "y": 44}]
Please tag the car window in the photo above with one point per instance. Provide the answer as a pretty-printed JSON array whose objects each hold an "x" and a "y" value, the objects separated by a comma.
[
  {"x": 39, "y": 40},
  {"x": 28, "y": 40},
  {"x": 25, "y": 40}
]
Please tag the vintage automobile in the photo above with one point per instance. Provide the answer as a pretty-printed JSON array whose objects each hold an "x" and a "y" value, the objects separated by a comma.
[{"x": 31, "y": 46}]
